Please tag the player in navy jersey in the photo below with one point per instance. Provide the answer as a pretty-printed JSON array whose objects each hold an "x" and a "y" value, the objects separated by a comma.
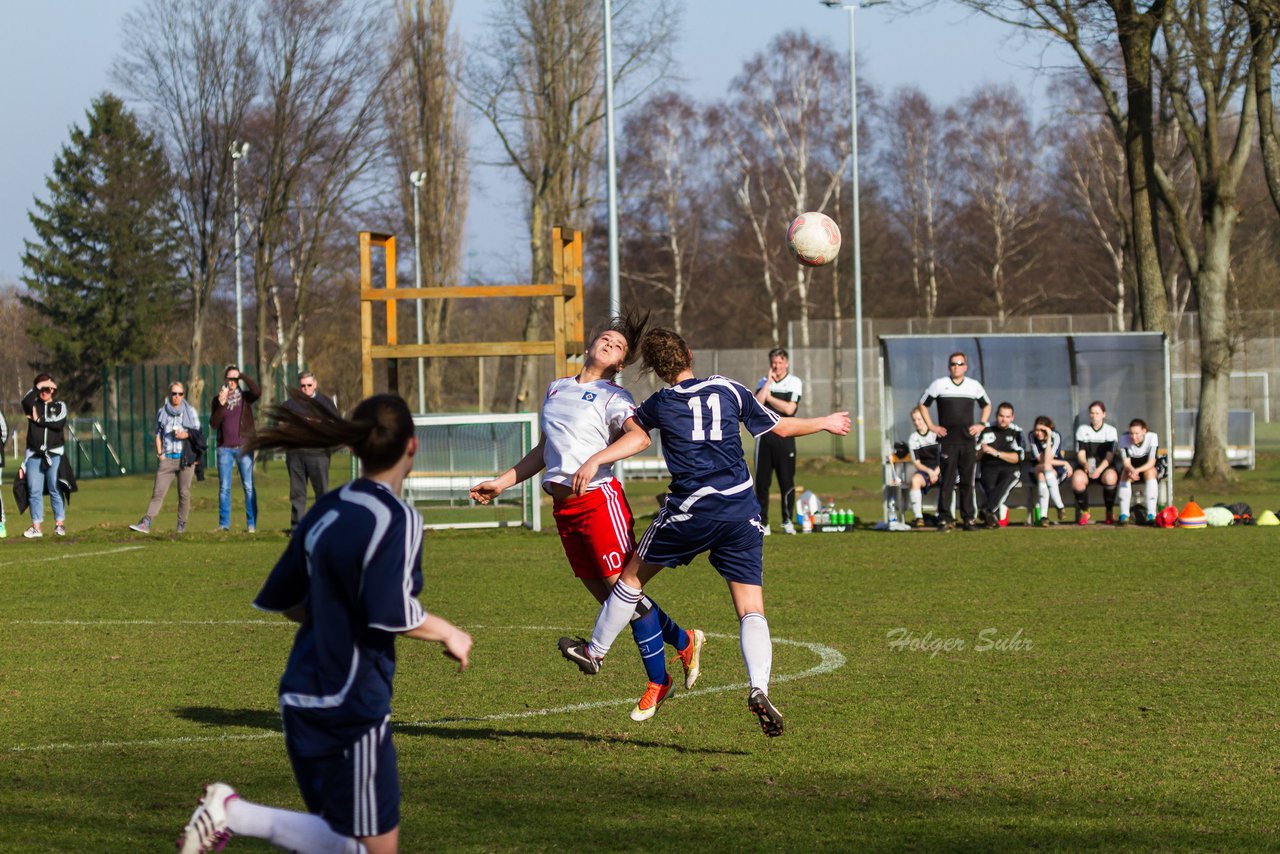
[
  {"x": 1139, "y": 461},
  {"x": 1095, "y": 457},
  {"x": 956, "y": 395},
  {"x": 710, "y": 505},
  {"x": 350, "y": 577},
  {"x": 582, "y": 415},
  {"x": 1049, "y": 466}
]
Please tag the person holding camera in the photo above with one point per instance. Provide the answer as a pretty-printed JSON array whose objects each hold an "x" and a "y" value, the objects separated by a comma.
[
  {"x": 45, "y": 443},
  {"x": 233, "y": 419}
]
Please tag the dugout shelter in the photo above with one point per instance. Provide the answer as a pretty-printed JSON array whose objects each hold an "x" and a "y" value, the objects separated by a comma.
[{"x": 1054, "y": 375}]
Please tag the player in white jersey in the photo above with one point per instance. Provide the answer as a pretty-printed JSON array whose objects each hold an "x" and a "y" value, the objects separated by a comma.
[
  {"x": 1095, "y": 458},
  {"x": 927, "y": 459},
  {"x": 580, "y": 416},
  {"x": 1048, "y": 465},
  {"x": 1139, "y": 455}
]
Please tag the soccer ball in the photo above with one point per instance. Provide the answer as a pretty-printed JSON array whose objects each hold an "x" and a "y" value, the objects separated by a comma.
[{"x": 814, "y": 239}]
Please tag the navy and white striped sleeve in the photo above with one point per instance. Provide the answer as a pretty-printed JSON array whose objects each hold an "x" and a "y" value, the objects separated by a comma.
[
  {"x": 757, "y": 417},
  {"x": 392, "y": 575}
]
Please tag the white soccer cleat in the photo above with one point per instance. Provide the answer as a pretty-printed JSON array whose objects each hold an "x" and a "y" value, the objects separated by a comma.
[
  {"x": 691, "y": 656},
  {"x": 788, "y": 528},
  {"x": 207, "y": 831}
]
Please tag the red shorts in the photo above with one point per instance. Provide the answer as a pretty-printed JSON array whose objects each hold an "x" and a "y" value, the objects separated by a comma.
[{"x": 595, "y": 530}]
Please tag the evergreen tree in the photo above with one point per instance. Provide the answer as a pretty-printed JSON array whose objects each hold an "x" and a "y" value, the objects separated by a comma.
[{"x": 102, "y": 275}]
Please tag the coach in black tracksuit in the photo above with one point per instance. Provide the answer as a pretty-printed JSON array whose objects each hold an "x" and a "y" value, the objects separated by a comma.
[
  {"x": 956, "y": 396},
  {"x": 779, "y": 392},
  {"x": 1002, "y": 449}
]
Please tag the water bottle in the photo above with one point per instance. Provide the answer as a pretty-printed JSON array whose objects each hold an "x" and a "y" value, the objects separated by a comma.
[{"x": 807, "y": 525}]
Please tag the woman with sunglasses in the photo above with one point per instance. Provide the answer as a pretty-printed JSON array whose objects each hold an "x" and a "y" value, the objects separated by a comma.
[
  {"x": 177, "y": 424},
  {"x": 45, "y": 443}
]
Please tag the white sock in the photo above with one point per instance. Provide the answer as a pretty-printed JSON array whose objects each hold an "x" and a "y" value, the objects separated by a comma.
[
  {"x": 1125, "y": 493},
  {"x": 287, "y": 830},
  {"x": 1054, "y": 492},
  {"x": 1153, "y": 492},
  {"x": 615, "y": 615},
  {"x": 917, "y": 502},
  {"x": 1042, "y": 490},
  {"x": 757, "y": 649}
]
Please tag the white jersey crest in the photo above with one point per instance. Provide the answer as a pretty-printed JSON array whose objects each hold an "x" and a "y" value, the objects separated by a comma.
[{"x": 579, "y": 419}]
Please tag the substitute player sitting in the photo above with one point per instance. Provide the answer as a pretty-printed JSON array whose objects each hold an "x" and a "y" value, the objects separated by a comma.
[
  {"x": 1044, "y": 449},
  {"x": 581, "y": 415},
  {"x": 925, "y": 457},
  {"x": 1000, "y": 448},
  {"x": 1095, "y": 455},
  {"x": 710, "y": 504},
  {"x": 1139, "y": 461}
]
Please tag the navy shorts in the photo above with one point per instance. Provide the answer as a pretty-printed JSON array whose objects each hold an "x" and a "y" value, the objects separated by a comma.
[
  {"x": 736, "y": 548},
  {"x": 357, "y": 791}
]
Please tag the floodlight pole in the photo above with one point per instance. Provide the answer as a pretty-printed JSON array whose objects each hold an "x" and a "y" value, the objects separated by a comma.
[
  {"x": 615, "y": 295},
  {"x": 239, "y": 150},
  {"x": 860, "y": 407},
  {"x": 416, "y": 180}
]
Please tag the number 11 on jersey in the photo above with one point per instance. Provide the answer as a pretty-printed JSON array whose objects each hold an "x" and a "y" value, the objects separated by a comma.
[{"x": 713, "y": 404}]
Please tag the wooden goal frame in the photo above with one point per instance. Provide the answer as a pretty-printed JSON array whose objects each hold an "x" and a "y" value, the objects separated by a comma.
[{"x": 565, "y": 292}]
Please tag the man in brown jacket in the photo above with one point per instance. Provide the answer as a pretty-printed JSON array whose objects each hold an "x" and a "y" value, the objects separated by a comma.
[{"x": 232, "y": 418}]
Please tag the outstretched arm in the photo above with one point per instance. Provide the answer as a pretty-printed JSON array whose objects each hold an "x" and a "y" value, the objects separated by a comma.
[
  {"x": 529, "y": 465},
  {"x": 456, "y": 642},
  {"x": 837, "y": 423},
  {"x": 633, "y": 440}
]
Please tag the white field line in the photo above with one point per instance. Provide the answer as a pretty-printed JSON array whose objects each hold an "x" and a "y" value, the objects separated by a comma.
[
  {"x": 829, "y": 660},
  {"x": 66, "y": 556}
]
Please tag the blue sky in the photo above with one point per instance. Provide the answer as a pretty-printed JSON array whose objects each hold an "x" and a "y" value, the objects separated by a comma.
[{"x": 52, "y": 69}]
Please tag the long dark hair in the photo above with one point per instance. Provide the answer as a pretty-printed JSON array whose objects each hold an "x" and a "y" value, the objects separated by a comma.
[
  {"x": 378, "y": 430},
  {"x": 630, "y": 325}
]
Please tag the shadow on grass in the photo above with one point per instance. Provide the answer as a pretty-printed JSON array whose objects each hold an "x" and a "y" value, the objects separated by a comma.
[
  {"x": 270, "y": 720},
  {"x": 489, "y": 734}
]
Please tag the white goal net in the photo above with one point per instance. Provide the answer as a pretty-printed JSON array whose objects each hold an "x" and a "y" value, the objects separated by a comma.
[{"x": 455, "y": 452}]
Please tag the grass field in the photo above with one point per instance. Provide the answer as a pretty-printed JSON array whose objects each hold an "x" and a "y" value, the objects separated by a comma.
[{"x": 1130, "y": 702}]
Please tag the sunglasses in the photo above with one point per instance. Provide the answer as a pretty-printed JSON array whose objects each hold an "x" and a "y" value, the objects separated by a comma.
[
  {"x": 232, "y": 379},
  {"x": 46, "y": 390},
  {"x": 957, "y": 364},
  {"x": 177, "y": 394},
  {"x": 308, "y": 385}
]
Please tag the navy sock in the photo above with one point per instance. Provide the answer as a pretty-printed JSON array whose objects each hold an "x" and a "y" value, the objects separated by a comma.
[
  {"x": 671, "y": 631},
  {"x": 648, "y": 634}
]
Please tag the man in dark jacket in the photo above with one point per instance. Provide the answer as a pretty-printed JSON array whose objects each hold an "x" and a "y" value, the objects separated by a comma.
[
  {"x": 232, "y": 418},
  {"x": 307, "y": 464}
]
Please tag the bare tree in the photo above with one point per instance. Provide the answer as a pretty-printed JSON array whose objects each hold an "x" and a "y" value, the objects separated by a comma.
[
  {"x": 788, "y": 137},
  {"x": 992, "y": 144},
  {"x": 1092, "y": 174},
  {"x": 317, "y": 131},
  {"x": 427, "y": 132},
  {"x": 1204, "y": 72},
  {"x": 192, "y": 63},
  {"x": 915, "y": 184},
  {"x": 540, "y": 86},
  {"x": 1092, "y": 30},
  {"x": 664, "y": 164}
]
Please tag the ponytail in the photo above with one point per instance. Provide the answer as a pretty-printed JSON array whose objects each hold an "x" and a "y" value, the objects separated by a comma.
[{"x": 378, "y": 430}]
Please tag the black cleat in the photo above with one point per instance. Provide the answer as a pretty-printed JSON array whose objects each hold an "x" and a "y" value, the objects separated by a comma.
[
  {"x": 946, "y": 527},
  {"x": 770, "y": 717},
  {"x": 575, "y": 649},
  {"x": 967, "y": 525}
]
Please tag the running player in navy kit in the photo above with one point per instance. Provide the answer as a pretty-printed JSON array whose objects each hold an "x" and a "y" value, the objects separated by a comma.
[
  {"x": 582, "y": 415},
  {"x": 350, "y": 577},
  {"x": 710, "y": 506}
]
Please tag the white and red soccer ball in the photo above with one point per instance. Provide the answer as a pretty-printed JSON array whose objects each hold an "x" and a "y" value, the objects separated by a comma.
[{"x": 814, "y": 239}]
